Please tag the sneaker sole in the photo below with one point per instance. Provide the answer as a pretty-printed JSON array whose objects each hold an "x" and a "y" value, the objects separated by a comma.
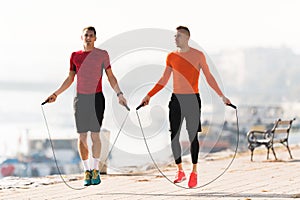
[
  {"x": 192, "y": 186},
  {"x": 180, "y": 180},
  {"x": 95, "y": 183},
  {"x": 87, "y": 184}
]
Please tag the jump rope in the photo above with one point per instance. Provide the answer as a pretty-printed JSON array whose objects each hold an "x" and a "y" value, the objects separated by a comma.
[{"x": 146, "y": 144}]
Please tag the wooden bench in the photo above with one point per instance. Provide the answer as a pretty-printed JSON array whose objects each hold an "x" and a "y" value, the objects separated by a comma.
[{"x": 278, "y": 134}]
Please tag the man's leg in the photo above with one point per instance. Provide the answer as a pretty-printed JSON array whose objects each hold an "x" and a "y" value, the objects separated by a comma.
[
  {"x": 84, "y": 155},
  {"x": 96, "y": 150},
  {"x": 83, "y": 146},
  {"x": 176, "y": 148},
  {"x": 175, "y": 120},
  {"x": 192, "y": 128},
  {"x": 194, "y": 150},
  {"x": 95, "y": 125},
  {"x": 194, "y": 153},
  {"x": 193, "y": 125}
]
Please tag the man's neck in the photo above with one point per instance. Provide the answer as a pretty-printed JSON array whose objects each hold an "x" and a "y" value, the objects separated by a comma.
[
  {"x": 88, "y": 47},
  {"x": 184, "y": 49}
]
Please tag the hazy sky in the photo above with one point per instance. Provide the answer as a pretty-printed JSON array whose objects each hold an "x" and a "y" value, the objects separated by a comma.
[{"x": 37, "y": 37}]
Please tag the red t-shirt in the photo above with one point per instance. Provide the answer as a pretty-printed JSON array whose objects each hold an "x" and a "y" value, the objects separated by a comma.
[{"x": 89, "y": 67}]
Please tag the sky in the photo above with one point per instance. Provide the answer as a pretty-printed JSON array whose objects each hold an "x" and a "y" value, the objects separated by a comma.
[{"x": 37, "y": 37}]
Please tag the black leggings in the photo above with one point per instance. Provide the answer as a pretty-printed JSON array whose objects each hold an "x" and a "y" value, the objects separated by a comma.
[{"x": 188, "y": 107}]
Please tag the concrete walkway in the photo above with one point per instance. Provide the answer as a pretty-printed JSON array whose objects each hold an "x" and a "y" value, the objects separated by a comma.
[{"x": 260, "y": 179}]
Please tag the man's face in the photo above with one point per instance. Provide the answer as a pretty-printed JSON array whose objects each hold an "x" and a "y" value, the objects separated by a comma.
[
  {"x": 181, "y": 38},
  {"x": 88, "y": 37}
]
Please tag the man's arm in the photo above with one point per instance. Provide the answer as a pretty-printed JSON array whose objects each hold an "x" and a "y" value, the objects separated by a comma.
[
  {"x": 114, "y": 84},
  {"x": 65, "y": 85}
]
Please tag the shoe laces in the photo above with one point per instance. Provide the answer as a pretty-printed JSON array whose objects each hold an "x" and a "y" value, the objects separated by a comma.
[
  {"x": 193, "y": 175},
  {"x": 179, "y": 173},
  {"x": 95, "y": 174},
  {"x": 87, "y": 175}
]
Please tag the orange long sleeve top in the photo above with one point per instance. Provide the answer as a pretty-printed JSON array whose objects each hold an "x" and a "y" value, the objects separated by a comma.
[{"x": 186, "y": 72}]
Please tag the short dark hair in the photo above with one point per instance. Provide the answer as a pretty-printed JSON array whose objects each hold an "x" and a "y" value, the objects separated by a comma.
[
  {"x": 90, "y": 28},
  {"x": 184, "y": 28}
]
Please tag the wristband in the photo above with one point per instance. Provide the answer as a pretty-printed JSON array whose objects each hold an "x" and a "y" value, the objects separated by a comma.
[
  {"x": 54, "y": 94},
  {"x": 119, "y": 93}
]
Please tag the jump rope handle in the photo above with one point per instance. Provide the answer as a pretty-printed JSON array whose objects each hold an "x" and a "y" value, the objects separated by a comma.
[
  {"x": 45, "y": 102},
  {"x": 231, "y": 105},
  {"x": 127, "y": 107},
  {"x": 137, "y": 108}
]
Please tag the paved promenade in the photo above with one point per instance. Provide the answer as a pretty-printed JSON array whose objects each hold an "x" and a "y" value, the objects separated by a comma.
[{"x": 244, "y": 180}]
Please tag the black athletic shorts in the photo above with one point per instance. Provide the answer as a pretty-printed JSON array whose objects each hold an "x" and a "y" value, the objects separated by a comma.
[{"x": 89, "y": 111}]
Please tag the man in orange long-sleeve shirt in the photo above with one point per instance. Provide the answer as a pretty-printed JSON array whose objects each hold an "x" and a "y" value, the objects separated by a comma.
[{"x": 185, "y": 64}]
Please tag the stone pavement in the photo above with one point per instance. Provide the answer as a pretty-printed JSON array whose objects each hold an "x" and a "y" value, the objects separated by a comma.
[{"x": 244, "y": 180}]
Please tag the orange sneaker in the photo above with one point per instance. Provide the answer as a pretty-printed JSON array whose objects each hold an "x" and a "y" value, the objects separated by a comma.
[
  {"x": 193, "y": 180},
  {"x": 180, "y": 176}
]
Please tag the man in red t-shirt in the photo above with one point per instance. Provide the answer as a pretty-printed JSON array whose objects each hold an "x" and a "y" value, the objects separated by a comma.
[
  {"x": 89, "y": 104},
  {"x": 185, "y": 65}
]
